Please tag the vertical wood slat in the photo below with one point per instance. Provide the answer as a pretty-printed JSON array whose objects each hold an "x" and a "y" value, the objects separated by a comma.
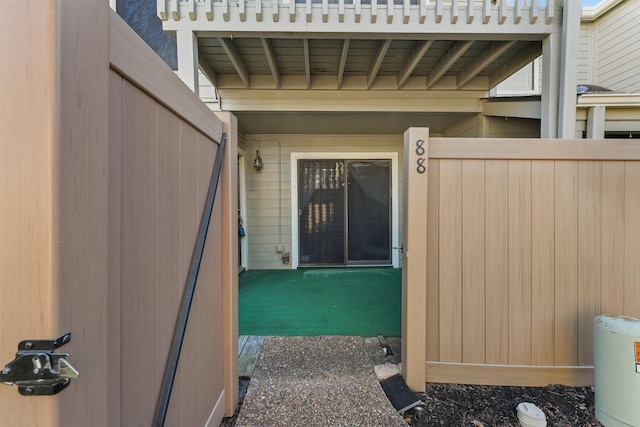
[
  {"x": 439, "y": 11},
  {"x": 258, "y": 10},
  {"x": 589, "y": 254},
  {"x": 632, "y": 240},
  {"x": 168, "y": 267},
  {"x": 497, "y": 255},
  {"x": 175, "y": 10},
  {"x": 389, "y": 11},
  {"x": 139, "y": 273},
  {"x": 613, "y": 238},
  {"x": 542, "y": 264},
  {"x": 566, "y": 263},
  {"x": 473, "y": 262},
  {"x": 502, "y": 12},
  {"x": 550, "y": 11},
  {"x": 191, "y": 7},
  {"x": 191, "y": 195},
  {"x": 450, "y": 238},
  {"x": 161, "y": 7},
  {"x": 471, "y": 8},
  {"x": 520, "y": 261},
  {"x": 433, "y": 259},
  {"x": 455, "y": 11},
  {"x": 275, "y": 7}
]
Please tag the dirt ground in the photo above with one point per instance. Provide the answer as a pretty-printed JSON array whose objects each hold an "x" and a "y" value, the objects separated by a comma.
[{"x": 478, "y": 406}]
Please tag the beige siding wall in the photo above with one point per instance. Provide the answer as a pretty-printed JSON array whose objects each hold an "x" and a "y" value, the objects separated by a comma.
[
  {"x": 529, "y": 241},
  {"x": 267, "y": 214},
  {"x": 586, "y": 57},
  {"x": 617, "y": 41}
]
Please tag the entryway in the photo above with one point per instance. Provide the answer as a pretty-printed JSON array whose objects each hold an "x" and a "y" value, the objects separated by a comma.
[{"x": 344, "y": 209}]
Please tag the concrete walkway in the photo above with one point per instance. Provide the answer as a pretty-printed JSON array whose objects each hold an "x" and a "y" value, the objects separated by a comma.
[{"x": 315, "y": 381}]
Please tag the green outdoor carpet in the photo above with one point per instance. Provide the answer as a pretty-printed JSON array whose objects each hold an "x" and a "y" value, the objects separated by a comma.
[{"x": 363, "y": 302}]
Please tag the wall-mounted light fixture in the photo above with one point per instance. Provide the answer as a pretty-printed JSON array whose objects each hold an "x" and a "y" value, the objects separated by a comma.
[{"x": 257, "y": 162}]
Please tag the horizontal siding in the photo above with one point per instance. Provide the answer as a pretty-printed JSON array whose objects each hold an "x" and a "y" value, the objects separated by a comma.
[
  {"x": 268, "y": 192},
  {"x": 617, "y": 41},
  {"x": 586, "y": 55}
]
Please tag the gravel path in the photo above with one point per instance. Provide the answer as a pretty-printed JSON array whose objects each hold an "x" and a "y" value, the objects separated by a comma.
[{"x": 315, "y": 381}]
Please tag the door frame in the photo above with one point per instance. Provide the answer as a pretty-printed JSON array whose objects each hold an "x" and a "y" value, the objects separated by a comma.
[{"x": 395, "y": 220}]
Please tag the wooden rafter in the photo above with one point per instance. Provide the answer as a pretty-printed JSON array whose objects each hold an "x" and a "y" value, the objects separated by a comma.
[
  {"x": 232, "y": 52},
  {"x": 207, "y": 70},
  {"x": 377, "y": 62},
  {"x": 343, "y": 61},
  {"x": 417, "y": 54},
  {"x": 450, "y": 58},
  {"x": 523, "y": 57},
  {"x": 271, "y": 59},
  {"x": 307, "y": 62},
  {"x": 481, "y": 61}
]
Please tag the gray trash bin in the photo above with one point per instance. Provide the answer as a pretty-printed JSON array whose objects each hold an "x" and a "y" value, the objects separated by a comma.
[{"x": 616, "y": 347}]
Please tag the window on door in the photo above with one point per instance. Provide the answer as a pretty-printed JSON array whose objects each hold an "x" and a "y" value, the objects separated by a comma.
[{"x": 344, "y": 209}]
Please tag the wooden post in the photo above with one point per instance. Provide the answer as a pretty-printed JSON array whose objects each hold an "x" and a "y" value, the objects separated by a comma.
[
  {"x": 414, "y": 257},
  {"x": 229, "y": 201}
]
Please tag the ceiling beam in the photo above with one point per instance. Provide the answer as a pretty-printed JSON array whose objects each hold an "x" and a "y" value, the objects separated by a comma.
[
  {"x": 307, "y": 62},
  {"x": 377, "y": 62},
  {"x": 525, "y": 56},
  {"x": 343, "y": 61},
  {"x": 413, "y": 60},
  {"x": 207, "y": 70},
  {"x": 236, "y": 60},
  {"x": 447, "y": 61},
  {"x": 481, "y": 61},
  {"x": 271, "y": 59}
]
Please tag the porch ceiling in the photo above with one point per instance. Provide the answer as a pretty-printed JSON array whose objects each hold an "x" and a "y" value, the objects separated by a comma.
[
  {"x": 424, "y": 57},
  {"x": 338, "y": 123},
  {"x": 379, "y": 63}
]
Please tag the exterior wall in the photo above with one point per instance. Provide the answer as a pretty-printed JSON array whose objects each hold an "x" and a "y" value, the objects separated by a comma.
[
  {"x": 267, "y": 215},
  {"x": 101, "y": 202},
  {"x": 526, "y": 242},
  {"x": 587, "y": 54},
  {"x": 495, "y": 127},
  {"x": 616, "y": 42}
]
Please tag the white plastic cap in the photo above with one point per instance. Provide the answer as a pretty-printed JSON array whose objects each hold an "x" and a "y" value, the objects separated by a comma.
[{"x": 530, "y": 415}]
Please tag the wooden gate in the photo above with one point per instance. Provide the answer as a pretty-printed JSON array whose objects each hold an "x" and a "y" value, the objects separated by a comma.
[{"x": 106, "y": 160}]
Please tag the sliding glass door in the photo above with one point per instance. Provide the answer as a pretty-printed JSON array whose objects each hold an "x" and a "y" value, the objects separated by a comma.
[{"x": 344, "y": 212}]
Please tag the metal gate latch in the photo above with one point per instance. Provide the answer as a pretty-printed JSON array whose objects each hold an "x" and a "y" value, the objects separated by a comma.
[{"x": 36, "y": 370}]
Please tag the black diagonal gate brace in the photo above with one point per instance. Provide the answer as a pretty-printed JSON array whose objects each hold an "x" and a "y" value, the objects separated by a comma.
[{"x": 189, "y": 291}]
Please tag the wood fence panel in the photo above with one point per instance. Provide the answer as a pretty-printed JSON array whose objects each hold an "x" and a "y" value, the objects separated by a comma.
[
  {"x": 433, "y": 261},
  {"x": 497, "y": 270},
  {"x": 566, "y": 256},
  {"x": 473, "y": 261},
  {"x": 613, "y": 237},
  {"x": 450, "y": 266},
  {"x": 632, "y": 240},
  {"x": 589, "y": 254},
  {"x": 519, "y": 262},
  {"x": 545, "y": 235},
  {"x": 542, "y": 262},
  {"x": 139, "y": 271}
]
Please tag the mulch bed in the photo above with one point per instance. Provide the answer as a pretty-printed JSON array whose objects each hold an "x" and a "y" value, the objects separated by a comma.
[{"x": 478, "y": 406}]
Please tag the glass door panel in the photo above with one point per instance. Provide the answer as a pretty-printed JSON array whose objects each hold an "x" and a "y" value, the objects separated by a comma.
[
  {"x": 321, "y": 204},
  {"x": 368, "y": 212}
]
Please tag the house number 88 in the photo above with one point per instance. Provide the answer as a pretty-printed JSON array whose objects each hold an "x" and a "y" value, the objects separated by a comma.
[{"x": 420, "y": 152}]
